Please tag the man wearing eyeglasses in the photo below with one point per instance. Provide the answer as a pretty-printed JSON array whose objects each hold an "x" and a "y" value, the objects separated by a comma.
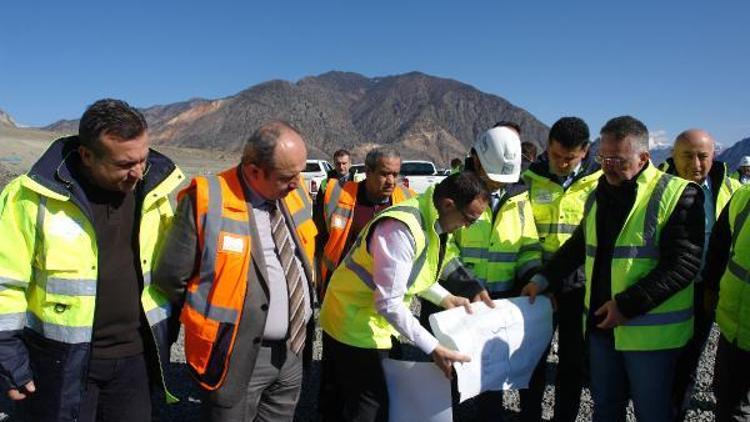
[
  {"x": 83, "y": 334},
  {"x": 641, "y": 243},
  {"x": 398, "y": 255}
]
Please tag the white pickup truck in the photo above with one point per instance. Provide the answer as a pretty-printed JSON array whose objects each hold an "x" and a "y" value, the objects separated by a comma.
[
  {"x": 316, "y": 171},
  {"x": 419, "y": 175}
]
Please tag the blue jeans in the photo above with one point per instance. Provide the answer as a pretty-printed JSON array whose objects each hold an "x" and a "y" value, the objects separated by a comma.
[{"x": 645, "y": 377}]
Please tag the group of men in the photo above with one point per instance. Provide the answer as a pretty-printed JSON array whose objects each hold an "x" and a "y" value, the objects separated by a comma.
[{"x": 97, "y": 272}]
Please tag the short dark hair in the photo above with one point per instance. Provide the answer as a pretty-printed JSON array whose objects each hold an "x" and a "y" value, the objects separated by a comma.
[
  {"x": 507, "y": 123},
  {"x": 456, "y": 162},
  {"x": 260, "y": 146},
  {"x": 570, "y": 132},
  {"x": 341, "y": 153},
  {"x": 109, "y": 116},
  {"x": 462, "y": 188},
  {"x": 624, "y": 126}
]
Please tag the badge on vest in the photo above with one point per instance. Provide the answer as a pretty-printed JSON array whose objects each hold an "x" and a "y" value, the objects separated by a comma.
[
  {"x": 231, "y": 243},
  {"x": 65, "y": 227},
  {"x": 543, "y": 197},
  {"x": 338, "y": 222}
]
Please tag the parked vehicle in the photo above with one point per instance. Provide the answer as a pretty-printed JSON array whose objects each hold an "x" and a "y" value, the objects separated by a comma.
[
  {"x": 419, "y": 175},
  {"x": 315, "y": 172},
  {"x": 359, "y": 172}
]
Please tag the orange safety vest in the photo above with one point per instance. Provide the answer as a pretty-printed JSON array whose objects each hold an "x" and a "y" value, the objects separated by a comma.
[
  {"x": 216, "y": 293},
  {"x": 338, "y": 205}
]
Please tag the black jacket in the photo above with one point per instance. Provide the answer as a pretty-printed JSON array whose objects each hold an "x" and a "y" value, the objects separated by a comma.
[
  {"x": 680, "y": 250},
  {"x": 577, "y": 279},
  {"x": 717, "y": 256}
]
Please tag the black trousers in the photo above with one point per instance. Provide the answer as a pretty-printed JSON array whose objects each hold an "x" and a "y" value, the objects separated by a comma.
[
  {"x": 117, "y": 390},
  {"x": 571, "y": 353},
  {"x": 684, "y": 382},
  {"x": 353, "y": 387},
  {"x": 732, "y": 382}
]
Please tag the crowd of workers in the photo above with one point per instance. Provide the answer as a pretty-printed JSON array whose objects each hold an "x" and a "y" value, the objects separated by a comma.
[{"x": 98, "y": 273}]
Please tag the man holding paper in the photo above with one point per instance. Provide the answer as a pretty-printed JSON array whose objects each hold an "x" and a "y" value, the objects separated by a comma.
[{"x": 398, "y": 255}]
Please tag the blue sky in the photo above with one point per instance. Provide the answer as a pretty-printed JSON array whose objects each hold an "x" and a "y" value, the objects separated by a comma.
[{"x": 672, "y": 64}]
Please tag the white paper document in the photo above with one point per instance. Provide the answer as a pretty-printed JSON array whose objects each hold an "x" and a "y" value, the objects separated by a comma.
[
  {"x": 504, "y": 343},
  {"x": 417, "y": 391}
]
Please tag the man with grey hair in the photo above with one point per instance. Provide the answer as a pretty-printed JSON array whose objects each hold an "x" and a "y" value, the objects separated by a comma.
[
  {"x": 347, "y": 209},
  {"x": 238, "y": 263},
  {"x": 641, "y": 242},
  {"x": 693, "y": 158}
]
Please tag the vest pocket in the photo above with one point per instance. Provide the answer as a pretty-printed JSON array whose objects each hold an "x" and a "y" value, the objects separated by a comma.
[{"x": 198, "y": 346}]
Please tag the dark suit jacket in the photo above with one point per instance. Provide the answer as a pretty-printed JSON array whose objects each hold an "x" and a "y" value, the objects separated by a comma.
[{"x": 179, "y": 260}]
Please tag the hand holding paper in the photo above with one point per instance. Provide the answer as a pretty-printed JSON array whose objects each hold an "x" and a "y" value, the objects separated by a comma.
[{"x": 504, "y": 343}]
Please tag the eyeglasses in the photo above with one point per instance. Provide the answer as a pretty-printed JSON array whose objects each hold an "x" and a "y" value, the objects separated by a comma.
[
  {"x": 470, "y": 219},
  {"x": 610, "y": 161}
]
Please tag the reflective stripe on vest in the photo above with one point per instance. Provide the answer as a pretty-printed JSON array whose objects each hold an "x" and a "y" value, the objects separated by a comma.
[
  {"x": 635, "y": 254},
  {"x": 733, "y": 309}
]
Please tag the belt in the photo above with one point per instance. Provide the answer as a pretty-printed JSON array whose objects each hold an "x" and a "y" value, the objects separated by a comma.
[{"x": 273, "y": 343}]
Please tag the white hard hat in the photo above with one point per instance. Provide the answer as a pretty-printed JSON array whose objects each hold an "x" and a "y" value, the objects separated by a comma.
[
  {"x": 745, "y": 161},
  {"x": 499, "y": 151}
]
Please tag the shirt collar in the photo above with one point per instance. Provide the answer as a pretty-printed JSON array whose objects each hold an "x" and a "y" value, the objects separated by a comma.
[{"x": 438, "y": 227}]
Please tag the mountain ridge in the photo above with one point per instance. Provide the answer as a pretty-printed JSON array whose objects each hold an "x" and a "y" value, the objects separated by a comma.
[{"x": 425, "y": 117}]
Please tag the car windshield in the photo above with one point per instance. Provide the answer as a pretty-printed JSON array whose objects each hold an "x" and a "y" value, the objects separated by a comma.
[
  {"x": 417, "y": 169},
  {"x": 312, "y": 168}
]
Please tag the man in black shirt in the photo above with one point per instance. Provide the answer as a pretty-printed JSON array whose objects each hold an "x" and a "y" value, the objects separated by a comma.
[{"x": 93, "y": 207}]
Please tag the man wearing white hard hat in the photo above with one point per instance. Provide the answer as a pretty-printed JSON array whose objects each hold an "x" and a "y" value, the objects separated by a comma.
[
  {"x": 501, "y": 249},
  {"x": 743, "y": 170}
]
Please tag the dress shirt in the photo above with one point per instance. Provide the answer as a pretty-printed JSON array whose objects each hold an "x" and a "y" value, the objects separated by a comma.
[
  {"x": 568, "y": 180},
  {"x": 393, "y": 250},
  {"x": 277, "y": 321},
  {"x": 495, "y": 198},
  {"x": 709, "y": 205}
]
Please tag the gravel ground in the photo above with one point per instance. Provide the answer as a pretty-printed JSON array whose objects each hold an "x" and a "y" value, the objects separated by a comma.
[{"x": 188, "y": 410}]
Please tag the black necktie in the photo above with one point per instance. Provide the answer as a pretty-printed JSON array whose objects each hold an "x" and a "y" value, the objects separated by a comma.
[{"x": 441, "y": 254}]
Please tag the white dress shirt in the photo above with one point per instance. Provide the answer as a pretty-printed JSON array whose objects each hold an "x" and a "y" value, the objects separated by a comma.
[{"x": 393, "y": 250}]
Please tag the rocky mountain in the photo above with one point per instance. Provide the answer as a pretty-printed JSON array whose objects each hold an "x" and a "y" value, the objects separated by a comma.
[
  {"x": 6, "y": 119},
  {"x": 425, "y": 117},
  {"x": 734, "y": 154}
]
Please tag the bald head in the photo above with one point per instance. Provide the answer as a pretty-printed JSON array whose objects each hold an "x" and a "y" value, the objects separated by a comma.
[
  {"x": 273, "y": 159},
  {"x": 693, "y": 154}
]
